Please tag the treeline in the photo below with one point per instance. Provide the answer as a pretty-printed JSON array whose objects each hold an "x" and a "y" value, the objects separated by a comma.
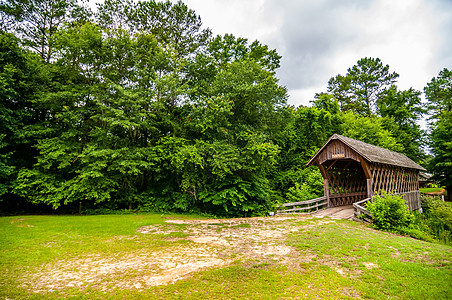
[{"x": 137, "y": 106}]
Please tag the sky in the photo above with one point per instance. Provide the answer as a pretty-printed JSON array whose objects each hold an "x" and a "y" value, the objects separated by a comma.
[{"x": 319, "y": 39}]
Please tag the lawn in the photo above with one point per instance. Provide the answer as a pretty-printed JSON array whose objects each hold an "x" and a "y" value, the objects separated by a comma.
[{"x": 177, "y": 257}]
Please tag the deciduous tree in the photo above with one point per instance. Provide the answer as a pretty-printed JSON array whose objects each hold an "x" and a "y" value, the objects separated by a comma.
[
  {"x": 21, "y": 81},
  {"x": 439, "y": 94}
]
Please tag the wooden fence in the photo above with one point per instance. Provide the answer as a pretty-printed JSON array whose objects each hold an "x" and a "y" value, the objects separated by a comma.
[{"x": 302, "y": 206}]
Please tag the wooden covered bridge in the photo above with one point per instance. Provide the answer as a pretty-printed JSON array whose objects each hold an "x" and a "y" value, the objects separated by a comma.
[{"x": 353, "y": 171}]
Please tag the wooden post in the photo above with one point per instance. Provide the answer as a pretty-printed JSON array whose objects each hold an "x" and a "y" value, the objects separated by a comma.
[
  {"x": 368, "y": 174},
  {"x": 326, "y": 191},
  {"x": 369, "y": 187}
]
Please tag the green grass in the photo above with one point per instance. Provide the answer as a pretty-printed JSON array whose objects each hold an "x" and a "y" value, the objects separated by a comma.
[
  {"x": 338, "y": 260},
  {"x": 405, "y": 268}
]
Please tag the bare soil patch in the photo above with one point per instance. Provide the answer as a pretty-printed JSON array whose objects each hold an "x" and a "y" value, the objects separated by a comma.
[{"x": 213, "y": 243}]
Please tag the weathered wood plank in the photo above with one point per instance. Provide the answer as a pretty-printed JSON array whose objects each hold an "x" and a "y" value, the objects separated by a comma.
[
  {"x": 347, "y": 195},
  {"x": 302, "y": 202},
  {"x": 302, "y": 208}
]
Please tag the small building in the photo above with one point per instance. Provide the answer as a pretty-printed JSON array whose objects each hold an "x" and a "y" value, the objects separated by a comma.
[
  {"x": 353, "y": 170},
  {"x": 425, "y": 180}
]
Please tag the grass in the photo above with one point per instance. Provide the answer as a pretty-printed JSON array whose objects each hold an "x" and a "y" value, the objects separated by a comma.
[
  {"x": 400, "y": 267},
  {"x": 337, "y": 260}
]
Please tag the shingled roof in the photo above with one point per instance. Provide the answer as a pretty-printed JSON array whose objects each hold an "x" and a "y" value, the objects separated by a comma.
[{"x": 372, "y": 153}]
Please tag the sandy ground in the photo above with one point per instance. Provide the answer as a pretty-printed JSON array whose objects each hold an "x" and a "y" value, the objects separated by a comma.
[{"x": 211, "y": 244}]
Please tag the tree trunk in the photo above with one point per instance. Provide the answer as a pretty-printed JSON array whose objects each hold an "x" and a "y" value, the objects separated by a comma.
[{"x": 448, "y": 197}]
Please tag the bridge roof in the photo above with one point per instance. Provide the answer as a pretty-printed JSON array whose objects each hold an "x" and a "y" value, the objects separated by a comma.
[{"x": 371, "y": 153}]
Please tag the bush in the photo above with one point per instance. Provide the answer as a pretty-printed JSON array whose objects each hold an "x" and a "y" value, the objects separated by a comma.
[
  {"x": 438, "y": 218},
  {"x": 300, "y": 192},
  {"x": 389, "y": 212}
]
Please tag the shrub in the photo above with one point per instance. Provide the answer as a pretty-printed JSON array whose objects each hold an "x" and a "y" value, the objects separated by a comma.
[
  {"x": 438, "y": 217},
  {"x": 300, "y": 192},
  {"x": 389, "y": 212}
]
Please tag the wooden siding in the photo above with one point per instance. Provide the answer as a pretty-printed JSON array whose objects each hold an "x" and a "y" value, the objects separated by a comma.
[
  {"x": 393, "y": 179},
  {"x": 412, "y": 200},
  {"x": 336, "y": 147}
]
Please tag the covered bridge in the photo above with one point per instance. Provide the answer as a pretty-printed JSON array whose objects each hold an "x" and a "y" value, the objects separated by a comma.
[{"x": 353, "y": 170}]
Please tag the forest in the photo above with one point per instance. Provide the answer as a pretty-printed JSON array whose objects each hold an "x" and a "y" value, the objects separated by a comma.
[{"x": 138, "y": 106}]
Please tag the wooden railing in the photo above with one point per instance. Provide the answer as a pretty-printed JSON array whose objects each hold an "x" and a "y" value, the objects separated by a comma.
[
  {"x": 302, "y": 206},
  {"x": 360, "y": 212},
  {"x": 412, "y": 201}
]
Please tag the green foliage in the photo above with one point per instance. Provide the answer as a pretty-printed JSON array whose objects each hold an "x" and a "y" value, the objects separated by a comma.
[
  {"x": 21, "y": 81},
  {"x": 173, "y": 25},
  {"x": 326, "y": 102},
  {"x": 439, "y": 95},
  {"x": 402, "y": 111},
  {"x": 370, "y": 130},
  {"x": 38, "y": 20},
  {"x": 300, "y": 192},
  {"x": 139, "y": 107},
  {"x": 303, "y": 132},
  {"x": 308, "y": 185},
  {"x": 389, "y": 212},
  {"x": 364, "y": 83},
  {"x": 438, "y": 218},
  {"x": 6, "y": 170},
  {"x": 368, "y": 91}
]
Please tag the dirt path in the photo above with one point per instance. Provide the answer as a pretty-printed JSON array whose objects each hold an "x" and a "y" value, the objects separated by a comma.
[{"x": 210, "y": 244}]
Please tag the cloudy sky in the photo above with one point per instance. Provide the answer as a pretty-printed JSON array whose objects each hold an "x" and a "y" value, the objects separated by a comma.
[{"x": 319, "y": 39}]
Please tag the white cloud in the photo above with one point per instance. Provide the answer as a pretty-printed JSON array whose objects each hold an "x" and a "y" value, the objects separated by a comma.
[{"x": 320, "y": 39}]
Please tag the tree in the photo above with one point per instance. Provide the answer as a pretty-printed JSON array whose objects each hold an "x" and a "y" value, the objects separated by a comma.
[
  {"x": 326, "y": 102},
  {"x": 362, "y": 86},
  {"x": 38, "y": 20},
  {"x": 368, "y": 89},
  {"x": 99, "y": 120},
  {"x": 6, "y": 21},
  {"x": 369, "y": 130},
  {"x": 22, "y": 78},
  {"x": 402, "y": 112},
  {"x": 174, "y": 25},
  {"x": 236, "y": 97},
  {"x": 439, "y": 94},
  {"x": 302, "y": 133}
]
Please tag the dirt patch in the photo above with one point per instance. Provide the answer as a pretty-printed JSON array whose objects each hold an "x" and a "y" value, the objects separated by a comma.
[
  {"x": 136, "y": 270},
  {"x": 19, "y": 222},
  {"x": 370, "y": 265},
  {"x": 210, "y": 244},
  {"x": 250, "y": 238}
]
